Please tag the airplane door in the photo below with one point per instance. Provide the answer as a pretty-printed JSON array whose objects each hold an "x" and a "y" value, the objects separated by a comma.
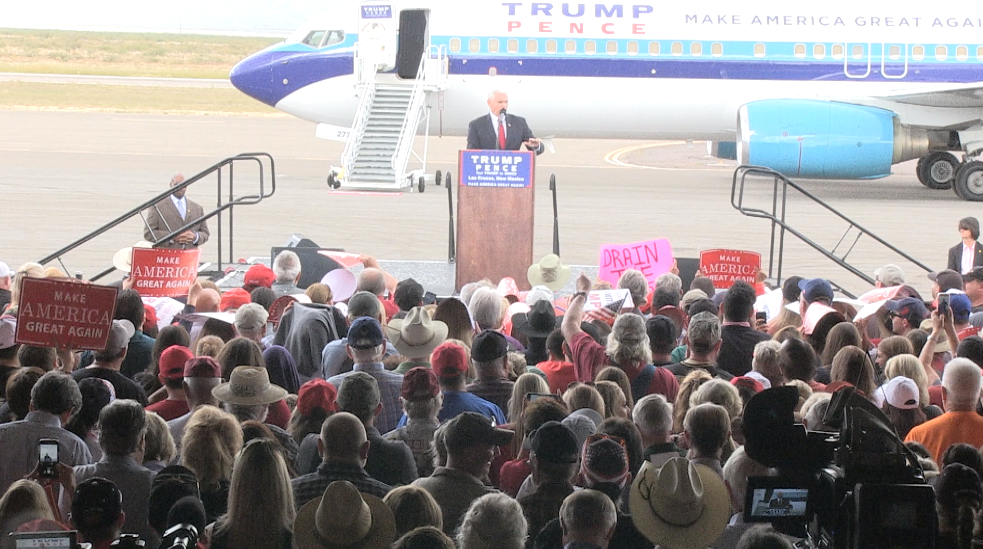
[
  {"x": 377, "y": 35},
  {"x": 856, "y": 60},
  {"x": 414, "y": 37},
  {"x": 894, "y": 61}
]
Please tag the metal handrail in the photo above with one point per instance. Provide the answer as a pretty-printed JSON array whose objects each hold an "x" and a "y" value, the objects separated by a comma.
[
  {"x": 362, "y": 112},
  {"x": 779, "y": 222},
  {"x": 258, "y": 158},
  {"x": 414, "y": 110}
]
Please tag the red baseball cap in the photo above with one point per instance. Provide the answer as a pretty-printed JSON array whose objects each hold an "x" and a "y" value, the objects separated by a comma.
[
  {"x": 150, "y": 314},
  {"x": 202, "y": 366},
  {"x": 317, "y": 393},
  {"x": 449, "y": 360},
  {"x": 419, "y": 384},
  {"x": 749, "y": 382},
  {"x": 172, "y": 362},
  {"x": 256, "y": 276},
  {"x": 235, "y": 298}
]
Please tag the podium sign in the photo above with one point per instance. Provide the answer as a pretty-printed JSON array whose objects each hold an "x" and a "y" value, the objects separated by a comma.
[{"x": 495, "y": 205}]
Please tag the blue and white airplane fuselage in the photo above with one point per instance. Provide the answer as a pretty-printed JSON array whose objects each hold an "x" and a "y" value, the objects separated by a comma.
[{"x": 831, "y": 90}]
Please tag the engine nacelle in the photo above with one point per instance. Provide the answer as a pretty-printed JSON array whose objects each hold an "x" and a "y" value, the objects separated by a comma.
[{"x": 825, "y": 140}]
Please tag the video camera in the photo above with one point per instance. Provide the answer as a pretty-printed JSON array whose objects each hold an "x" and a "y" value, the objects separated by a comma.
[{"x": 857, "y": 489}]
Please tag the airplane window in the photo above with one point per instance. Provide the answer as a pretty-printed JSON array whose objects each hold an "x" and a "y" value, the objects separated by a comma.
[
  {"x": 474, "y": 45},
  {"x": 493, "y": 45},
  {"x": 334, "y": 37},
  {"x": 455, "y": 45},
  {"x": 677, "y": 48},
  {"x": 716, "y": 49},
  {"x": 653, "y": 48},
  {"x": 837, "y": 51},
  {"x": 632, "y": 47},
  {"x": 570, "y": 46},
  {"x": 551, "y": 46},
  {"x": 612, "y": 47},
  {"x": 918, "y": 53},
  {"x": 819, "y": 51},
  {"x": 532, "y": 46},
  {"x": 979, "y": 53},
  {"x": 759, "y": 50},
  {"x": 858, "y": 51},
  {"x": 590, "y": 47},
  {"x": 894, "y": 52},
  {"x": 314, "y": 38},
  {"x": 962, "y": 53},
  {"x": 696, "y": 49},
  {"x": 513, "y": 45},
  {"x": 800, "y": 50},
  {"x": 941, "y": 52}
]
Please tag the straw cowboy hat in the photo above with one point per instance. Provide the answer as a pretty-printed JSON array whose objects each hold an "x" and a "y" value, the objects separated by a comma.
[
  {"x": 344, "y": 518},
  {"x": 416, "y": 335},
  {"x": 549, "y": 272},
  {"x": 681, "y": 505},
  {"x": 123, "y": 259},
  {"x": 249, "y": 386}
]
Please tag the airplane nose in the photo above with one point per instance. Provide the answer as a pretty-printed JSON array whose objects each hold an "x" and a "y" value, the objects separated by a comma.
[{"x": 253, "y": 76}]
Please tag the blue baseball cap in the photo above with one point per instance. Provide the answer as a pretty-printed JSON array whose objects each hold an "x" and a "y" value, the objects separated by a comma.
[
  {"x": 961, "y": 307},
  {"x": 365, "y": 333},
  {"x": 909, "y": 308},
  {"x": 815, "y": 288}
]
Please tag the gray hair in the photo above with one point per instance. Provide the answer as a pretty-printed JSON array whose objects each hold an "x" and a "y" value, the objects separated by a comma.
[
  {"x": 494, "y": 521},
  {"x": 371, "y": 354},
  {"x": 738, "y": 468},
  {"x": 371, "y": 280},
  {"x": 247, "y": 412},
  {"x": 637, "y": 285},
  {"x": 961, "y": 381},
  {"x": 629, "y": 341},
  {"x": 123, "y": 424},
  {"x": 707, "y": 426},
  {"x": 765, "y": 354},
  {"x": 486, "y": 308},
  {"x": 814, "y": 410},
  {"x": 468, "y": 290},
  {"x": 589, "y": 512},
  {"x": 56, "y": 393},
  {"x": 703, "y": 332},
  {"x": 493, "y": 93},
  {"x": 286, "y": 266},
  {"x": 670, "y": 282},
  {"x": 719, "y": 392},
  {"x": 652, "y": 414}
]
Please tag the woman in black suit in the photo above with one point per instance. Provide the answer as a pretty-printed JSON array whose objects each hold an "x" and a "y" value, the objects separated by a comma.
[{"x": 969, "y": 231}]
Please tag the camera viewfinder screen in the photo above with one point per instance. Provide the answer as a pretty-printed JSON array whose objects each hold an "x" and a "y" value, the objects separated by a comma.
[
  {"x": 779, "y": 502},
  {"x": 61, "y": 542},
  {"x": 48, "y": 452}
]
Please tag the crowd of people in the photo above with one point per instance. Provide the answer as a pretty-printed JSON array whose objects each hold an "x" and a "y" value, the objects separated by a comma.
[{"x": 492, "y": 418}]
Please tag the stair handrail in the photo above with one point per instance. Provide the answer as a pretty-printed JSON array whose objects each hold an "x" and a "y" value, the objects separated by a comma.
[
  {"x": 366, "y": 93},
  {"x": 777, "y": 216},
  {"x": 414, "y": 110},
  {"x": 256, "y": 157}
]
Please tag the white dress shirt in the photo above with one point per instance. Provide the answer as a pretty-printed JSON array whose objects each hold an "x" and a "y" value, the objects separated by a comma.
[{"x": 968, "y": 255}]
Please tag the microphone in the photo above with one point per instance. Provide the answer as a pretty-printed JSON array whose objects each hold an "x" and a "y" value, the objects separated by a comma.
[{"x": 186, "y": 520}]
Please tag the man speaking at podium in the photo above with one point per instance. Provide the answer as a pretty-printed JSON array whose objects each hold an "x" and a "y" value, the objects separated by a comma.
[{"x": 499, "y": 130}]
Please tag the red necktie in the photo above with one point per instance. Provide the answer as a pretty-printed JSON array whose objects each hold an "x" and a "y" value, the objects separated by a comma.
[{"x": 501, "y": 135}]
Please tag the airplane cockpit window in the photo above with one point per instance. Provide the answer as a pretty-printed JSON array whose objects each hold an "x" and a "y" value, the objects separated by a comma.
[
  {"x": 314, "y": 38},
  {"x": 962, "y": 53},
  {"x": 333, "y": 37}
]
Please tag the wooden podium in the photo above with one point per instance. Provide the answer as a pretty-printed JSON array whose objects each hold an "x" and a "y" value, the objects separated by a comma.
[{"x": 495, "y": 201}]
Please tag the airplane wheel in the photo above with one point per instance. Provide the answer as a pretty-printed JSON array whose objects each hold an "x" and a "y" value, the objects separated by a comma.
[
  {"x": 421, "y": 184},
  {"x": 331, "y": 180},
  {"x": 938, "y": 170},
  {"x": 437, "y": 177},
  {"x": 969, "y": 181}
]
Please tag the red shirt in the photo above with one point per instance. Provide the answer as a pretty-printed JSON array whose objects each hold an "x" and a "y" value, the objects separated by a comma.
[
  {"x": 966, "y": 332},
  {"x": 279, "y": 414},
  {"x": 589, "y": 357},
  {"x": 169, "y": 409},
  {"x": 513, "y": 474},
  {"x": 559, "y": 375}
]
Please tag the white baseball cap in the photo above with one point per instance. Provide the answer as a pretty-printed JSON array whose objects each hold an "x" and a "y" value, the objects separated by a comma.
[{"x": 4, "y": 270}]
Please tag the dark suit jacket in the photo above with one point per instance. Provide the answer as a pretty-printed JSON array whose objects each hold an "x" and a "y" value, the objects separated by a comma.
[
  {"x": 956, "y": 257},
  {"x": 481, "y": 133},
  {"x": 164, "y": 218}
]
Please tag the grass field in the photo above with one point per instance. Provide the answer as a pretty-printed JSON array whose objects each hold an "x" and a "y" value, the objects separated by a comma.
[{"x": 125, "y": 54}]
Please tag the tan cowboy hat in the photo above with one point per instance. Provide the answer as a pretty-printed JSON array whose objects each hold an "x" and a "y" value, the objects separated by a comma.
[
  {"x": 549, "y": 272},
  {"x": 680, "y": 505},
  {"x": 344, "y": 518},
  {"x": 249, "y": 386},
  {"x": 123, "y": 259},
  {"x": 416, "y": 335}
]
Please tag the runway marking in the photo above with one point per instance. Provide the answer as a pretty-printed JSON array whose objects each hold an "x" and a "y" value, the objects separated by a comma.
[
  {"x": 368, "y": 193},
  {"x": 614, "y": 157}
]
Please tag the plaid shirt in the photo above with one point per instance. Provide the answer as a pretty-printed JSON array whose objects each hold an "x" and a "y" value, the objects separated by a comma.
[
  {"x": 311, "y": 486},
  {"x": 497, "y": 391}
]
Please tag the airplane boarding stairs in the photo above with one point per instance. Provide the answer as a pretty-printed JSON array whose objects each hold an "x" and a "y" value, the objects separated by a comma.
[{"x": 372, "y": 164}]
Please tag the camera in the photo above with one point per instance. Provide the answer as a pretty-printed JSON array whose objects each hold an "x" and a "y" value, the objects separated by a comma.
[
  {"x": 180, "y": 536},
  {"x": 858, "y": 488},
  {"x": 943, "y": 304}
]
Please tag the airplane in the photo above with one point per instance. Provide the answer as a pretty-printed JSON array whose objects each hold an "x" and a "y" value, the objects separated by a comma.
[{"x": 827, "y": 90}]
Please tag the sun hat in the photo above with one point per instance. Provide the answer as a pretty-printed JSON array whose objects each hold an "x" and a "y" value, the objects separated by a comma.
[
  {"x": 680, "y": 505},
  {"x": 123, "y": 259},
  {"x": 344, "y": 518},
  {"x": 416, "y": 335},
  {"x": 549, "y": 272},
  {"x": 249, "y": 386}
]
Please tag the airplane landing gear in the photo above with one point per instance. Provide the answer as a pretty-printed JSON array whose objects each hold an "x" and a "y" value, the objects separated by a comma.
[
  {"x": 969, "y": 181},
  {"x": 938, "y": 170}
]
